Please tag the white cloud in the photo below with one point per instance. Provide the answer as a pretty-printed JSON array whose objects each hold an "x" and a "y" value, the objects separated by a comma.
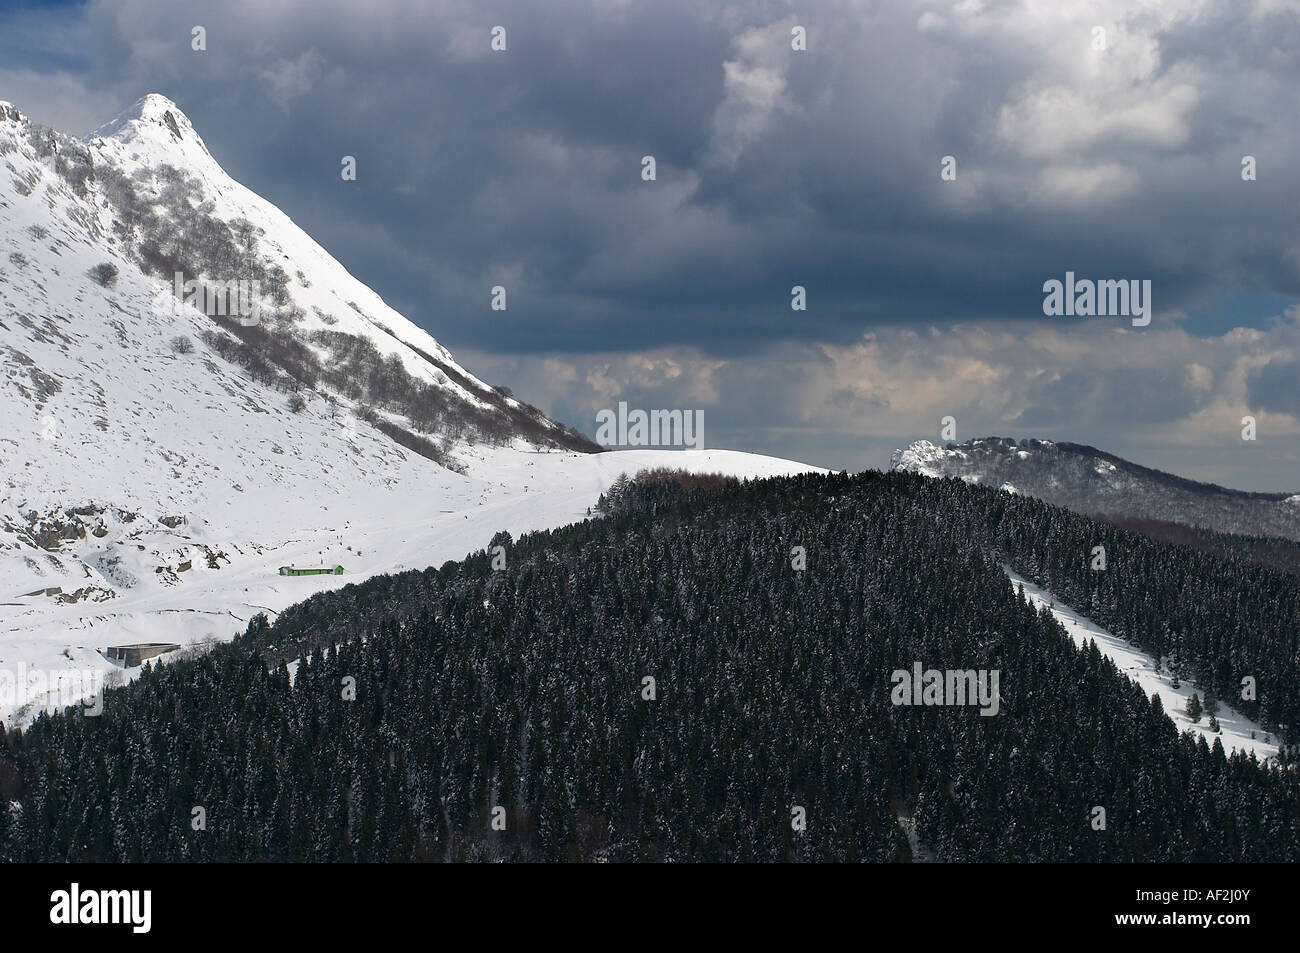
[
  {"x": 754, "y": 85},
  {"x": 287, "y": 80}
]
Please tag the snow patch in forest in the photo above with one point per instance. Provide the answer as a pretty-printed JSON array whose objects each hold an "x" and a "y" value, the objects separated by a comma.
[{"x": 1236, "y": 729}]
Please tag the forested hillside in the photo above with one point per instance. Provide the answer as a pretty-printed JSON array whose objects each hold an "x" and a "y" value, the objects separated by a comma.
[
  {"x": 1220, "y": 618},
  {"x": 427, "y": 700}
]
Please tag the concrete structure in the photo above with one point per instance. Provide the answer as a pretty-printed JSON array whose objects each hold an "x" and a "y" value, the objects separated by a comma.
[{"x": 129, "y": 656}]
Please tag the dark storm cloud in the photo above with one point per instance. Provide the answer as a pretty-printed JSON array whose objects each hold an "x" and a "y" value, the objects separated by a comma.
[{"x": 775, "y": 168}]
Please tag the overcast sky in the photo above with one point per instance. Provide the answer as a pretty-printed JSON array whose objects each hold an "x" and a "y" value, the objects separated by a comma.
[{"x": 775, "y": 168}]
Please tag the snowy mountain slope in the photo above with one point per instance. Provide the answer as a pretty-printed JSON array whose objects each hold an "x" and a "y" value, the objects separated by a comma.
[
  {"x": 408, "y": 522},
  {"x": 155, "y": 467},
  {"x": 1092, "y": 481},
  {"x": 106, "y": 415},
  {"x": 146, "y": 195}
]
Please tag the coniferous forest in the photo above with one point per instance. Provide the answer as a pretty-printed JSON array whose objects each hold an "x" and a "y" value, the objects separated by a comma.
[{"x": 474, "y": 712}]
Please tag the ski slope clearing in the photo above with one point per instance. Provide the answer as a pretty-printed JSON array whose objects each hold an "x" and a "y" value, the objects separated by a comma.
[{"x": 1237, "y": 732}]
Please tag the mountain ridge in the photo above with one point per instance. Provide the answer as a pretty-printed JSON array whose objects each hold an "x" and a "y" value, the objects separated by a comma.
[
  {"x": 164, "y": 204},
  {"x": 1093, "y": 481}
]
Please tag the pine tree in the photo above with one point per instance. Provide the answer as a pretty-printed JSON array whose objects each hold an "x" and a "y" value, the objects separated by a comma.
[{"x": 1194, "y": 708}]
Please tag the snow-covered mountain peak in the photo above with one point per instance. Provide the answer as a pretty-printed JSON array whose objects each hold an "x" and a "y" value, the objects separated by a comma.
[
  {"x": 1092, "y": 481},
  {"x": 144, "y": 191},
  {"x": 150, "y": 116},
  {"x": 123, "y": 400},
  {"x": 155, "y": 130}
]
